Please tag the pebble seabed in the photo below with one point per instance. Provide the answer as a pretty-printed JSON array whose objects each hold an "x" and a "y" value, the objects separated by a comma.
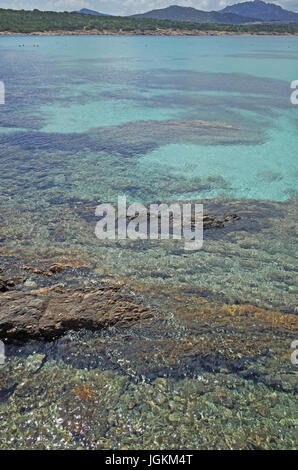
[{"x": 201, "y": 372}]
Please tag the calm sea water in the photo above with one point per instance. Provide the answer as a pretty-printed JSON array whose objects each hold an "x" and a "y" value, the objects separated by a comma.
[
  {"x": 87, "y": 85},
  {"x": 90, "y": 118},
  {"x": 156, "y": 119}
]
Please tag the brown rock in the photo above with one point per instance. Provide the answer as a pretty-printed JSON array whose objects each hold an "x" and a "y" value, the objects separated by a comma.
[
  {"x": 6, "y": 285},
  {"x": 209, "y": 221},
  {"x": 65, "y": 264},
  {"x": 57, "y": 268},
  {"x": 36, "y": 271},
  {"x": 48, "y": 313}
]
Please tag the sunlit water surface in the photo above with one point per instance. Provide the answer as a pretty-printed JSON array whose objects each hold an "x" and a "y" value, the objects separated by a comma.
[{"x": 156, "y": 119}]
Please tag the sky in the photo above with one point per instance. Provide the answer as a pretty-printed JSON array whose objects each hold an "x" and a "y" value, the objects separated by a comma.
[{"x": 128, "y": 7}]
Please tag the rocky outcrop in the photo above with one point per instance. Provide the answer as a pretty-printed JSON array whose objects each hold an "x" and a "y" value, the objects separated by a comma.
[
  {"x": 212, "y": 221},
  {"x": 209, "y": 221},
  {"x": 8, "y": 284},
  {"x": 48, "y": 313}
]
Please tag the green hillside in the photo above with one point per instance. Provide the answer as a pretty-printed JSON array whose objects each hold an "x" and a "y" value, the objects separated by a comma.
[{"x": 21, "y": 21}]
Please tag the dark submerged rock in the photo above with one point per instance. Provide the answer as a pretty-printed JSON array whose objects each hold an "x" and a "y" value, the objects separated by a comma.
[
  {"x": 50, "y": 312},
  {"x": 6, "y": 285}
]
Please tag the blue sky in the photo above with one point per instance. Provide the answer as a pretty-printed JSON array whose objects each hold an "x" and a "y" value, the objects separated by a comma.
[{"x": 126, "y": 7}]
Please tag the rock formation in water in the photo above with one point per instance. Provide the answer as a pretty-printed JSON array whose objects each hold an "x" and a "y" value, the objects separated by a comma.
[{"x": 49, "y": 312}]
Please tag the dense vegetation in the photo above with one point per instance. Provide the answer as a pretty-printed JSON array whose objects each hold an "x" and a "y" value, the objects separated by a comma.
[{"x": 21, "y": 21}]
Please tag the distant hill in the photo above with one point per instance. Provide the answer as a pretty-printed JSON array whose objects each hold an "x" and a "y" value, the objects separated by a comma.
[
  {"x": 177, "y": 13},
  {"x": 262, "y": 10},
  {"x": 51, "y": 22},
  {"x": 85, "y": 11}
]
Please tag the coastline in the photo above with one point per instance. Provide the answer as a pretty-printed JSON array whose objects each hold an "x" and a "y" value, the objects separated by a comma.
[{"x": 166, "y": 32}]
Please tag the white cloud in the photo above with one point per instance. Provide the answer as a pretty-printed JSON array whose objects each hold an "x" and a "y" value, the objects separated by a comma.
[
  {"x": 59, "y": 5},
  {"x": 128, "y": 7}
]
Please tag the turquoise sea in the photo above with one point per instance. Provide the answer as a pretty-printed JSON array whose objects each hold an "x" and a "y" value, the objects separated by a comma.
[{"x": 157, "y": 119}]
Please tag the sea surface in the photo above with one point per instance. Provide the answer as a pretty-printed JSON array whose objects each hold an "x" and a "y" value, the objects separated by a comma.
[{"x": 157, "y": 119}]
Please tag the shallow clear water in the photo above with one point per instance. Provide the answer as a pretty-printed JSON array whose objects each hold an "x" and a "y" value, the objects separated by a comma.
[
  {"x": 157, "y": 119},
  {"x": 83, "y": 85}
]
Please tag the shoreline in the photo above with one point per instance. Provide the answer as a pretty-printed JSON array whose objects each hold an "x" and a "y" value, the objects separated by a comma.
[{"x": 166, "y": 32}]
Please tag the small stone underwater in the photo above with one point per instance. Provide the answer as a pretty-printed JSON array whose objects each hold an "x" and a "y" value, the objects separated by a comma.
[{"x": 141, "y": 344}]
